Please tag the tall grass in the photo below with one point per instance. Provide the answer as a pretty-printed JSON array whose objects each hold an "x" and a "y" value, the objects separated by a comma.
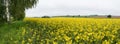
[{"x": 11, "y": 33}]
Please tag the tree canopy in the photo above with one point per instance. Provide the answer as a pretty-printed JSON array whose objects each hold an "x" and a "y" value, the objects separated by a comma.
[{"x": 16, "y": 9}]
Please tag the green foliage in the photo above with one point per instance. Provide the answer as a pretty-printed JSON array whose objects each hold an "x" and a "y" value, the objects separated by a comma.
[
  {"x": 109, "y": 16},
  {"x": 16, "y": 9},
  {"x": 11, "y": 33},
  {"x": 2, "y": 12}
]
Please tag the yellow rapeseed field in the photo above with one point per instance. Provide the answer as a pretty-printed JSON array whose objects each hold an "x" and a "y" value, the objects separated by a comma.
[{"x": 72, "y": 31}]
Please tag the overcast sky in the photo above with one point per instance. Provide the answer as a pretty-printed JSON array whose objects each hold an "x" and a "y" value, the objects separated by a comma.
[{"x": 74, "y": 7}]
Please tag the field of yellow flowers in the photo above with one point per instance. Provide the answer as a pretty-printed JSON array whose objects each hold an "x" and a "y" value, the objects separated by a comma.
[{"x": 71, "y": 31}]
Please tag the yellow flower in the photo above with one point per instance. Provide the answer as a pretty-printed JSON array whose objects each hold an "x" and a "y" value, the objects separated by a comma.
[
  {"x": 23, "y": 32},
  {"x": 66, "y": 38},
  {"x": 23, "y": 42},
  {"x": 30, "y": 40},
  {"x": 106, "y": 42}
]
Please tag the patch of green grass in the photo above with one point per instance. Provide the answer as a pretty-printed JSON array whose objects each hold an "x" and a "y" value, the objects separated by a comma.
[{"x": 11, "y": 33}]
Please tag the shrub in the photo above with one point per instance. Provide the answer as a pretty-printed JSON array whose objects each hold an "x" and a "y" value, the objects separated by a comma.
[
  {"x": 109, "y": 16},
  {"x": 45, "y": 17}
]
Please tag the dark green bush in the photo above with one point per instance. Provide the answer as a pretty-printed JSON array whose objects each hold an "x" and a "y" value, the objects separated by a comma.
[
  {"x": 109, "y": 16},
  {"x": 45, "y": 17}
]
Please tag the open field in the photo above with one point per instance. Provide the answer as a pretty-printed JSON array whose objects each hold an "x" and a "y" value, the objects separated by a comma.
[{"x": 62, "y": 31}]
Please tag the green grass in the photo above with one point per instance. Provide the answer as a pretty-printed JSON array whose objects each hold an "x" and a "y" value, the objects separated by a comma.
[{"x": 11, "y": 33}]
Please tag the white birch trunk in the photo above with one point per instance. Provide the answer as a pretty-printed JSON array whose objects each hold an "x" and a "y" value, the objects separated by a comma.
[{"x": 7, "y": 10}]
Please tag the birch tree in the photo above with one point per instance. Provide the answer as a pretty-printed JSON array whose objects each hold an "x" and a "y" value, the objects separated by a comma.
[{"x": 15, "y": 9}]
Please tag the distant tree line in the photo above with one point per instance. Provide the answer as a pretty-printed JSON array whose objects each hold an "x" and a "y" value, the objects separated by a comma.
[{"x": 105, "y": 16}]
